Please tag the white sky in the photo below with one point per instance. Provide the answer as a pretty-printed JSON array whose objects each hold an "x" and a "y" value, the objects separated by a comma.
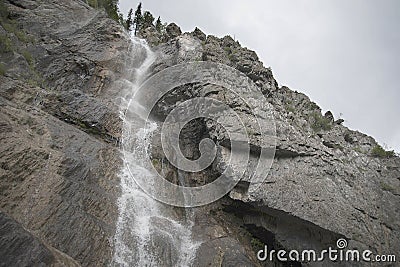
[{"x": 344, "y": 54}]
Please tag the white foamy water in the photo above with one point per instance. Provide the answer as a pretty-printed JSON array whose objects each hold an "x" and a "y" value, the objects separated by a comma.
[{"x": 148, "y": 233}]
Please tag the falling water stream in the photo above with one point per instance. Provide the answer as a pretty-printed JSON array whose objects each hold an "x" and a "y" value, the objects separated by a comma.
[{"x": 148, "y": 232}]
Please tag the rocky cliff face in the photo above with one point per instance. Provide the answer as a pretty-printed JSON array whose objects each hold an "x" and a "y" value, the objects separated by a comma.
[
  {"x": 327, "y": 181},
  {"x": 60, "y": 124},
  {"x": 60, "y": 159}
]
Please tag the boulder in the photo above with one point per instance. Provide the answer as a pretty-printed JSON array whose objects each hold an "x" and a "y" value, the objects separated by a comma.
[
  {"x": 329, "y": 116},
  {"x": 173, "y": 30},
  {"x": 199, "y": 34}
]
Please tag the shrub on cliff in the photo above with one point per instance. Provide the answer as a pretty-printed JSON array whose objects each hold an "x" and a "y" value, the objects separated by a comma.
[
  {"x": 111, "y": 8},
  {"x": 380, "y": 152},
  {"x": 319, "y": 122},
  {"x": 2, "y": 69}
]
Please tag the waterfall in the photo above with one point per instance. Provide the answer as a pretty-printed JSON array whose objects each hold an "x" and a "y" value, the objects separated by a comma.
[{"x": 148, "y": 232}]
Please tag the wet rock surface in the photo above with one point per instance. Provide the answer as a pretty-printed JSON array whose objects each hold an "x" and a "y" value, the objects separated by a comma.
[
  {"x": 59, "y": 159},
  {"x": 26, "y": 249}
]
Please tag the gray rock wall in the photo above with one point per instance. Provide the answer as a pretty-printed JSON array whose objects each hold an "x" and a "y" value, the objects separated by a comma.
[
  {"x": 59, "y": 158},
  {"x": 325, "y": 183}
]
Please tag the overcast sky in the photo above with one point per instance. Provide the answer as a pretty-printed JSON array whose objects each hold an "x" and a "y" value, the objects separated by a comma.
[{"x": 344, "y": 54}]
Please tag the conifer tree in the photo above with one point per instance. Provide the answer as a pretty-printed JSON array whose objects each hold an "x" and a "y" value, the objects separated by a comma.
[
  {"x": 137, "y": 21},
  {"x": 129, "y": 21},
  {"x": 111, "y": 7},
  {"x": 147, "y": 19},
  {"x": 159, "y": 25}
]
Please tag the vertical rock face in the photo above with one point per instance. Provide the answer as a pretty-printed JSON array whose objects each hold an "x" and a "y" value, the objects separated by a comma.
[
  {"x": 59, "y": 158},
  {"x": 60, "y": 126},
  {"x": 20, "y": 248},
  {"x": 327, "y": 181}
]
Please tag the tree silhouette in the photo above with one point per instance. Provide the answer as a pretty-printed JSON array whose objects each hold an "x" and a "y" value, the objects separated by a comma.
[
  {"x": 147, "y": 19},
  {"x": 137, "y": 21},
  {"x": 159, "y": 25},
  {"x": 129, "y": 21}
]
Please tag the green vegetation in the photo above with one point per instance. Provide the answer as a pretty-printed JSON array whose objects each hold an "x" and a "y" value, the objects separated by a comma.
[
  {"x": 257, "y": 244},
  {"x": 290, "y": 108},
  {"x": 230, "y": 53},
  {"x": 110, "y": 7},
  {"x": 129, "y": 21},
  {"x": 380, "y": 152},
  {"x": 312, "y": 106},
  {"x": 338, "y": 146},
  {"x": 159, "y": 25},
  {"x": 386, "y": 187},
  {"x": 28, "y": 57},
  {"x": 319, "y": 122},
  {"x": 35, "y": 79},
  {"x": 358, "y": 149},
  {"x": 5, "y": 44},
  {"x": 155, "y": 162},
  {"x": 2, "y": 69},
  {"x": 227, "y": 49},
  {"x": 112, "y": 10},
  {"x": 3, "y": 9},
  {"x": 137, "y": 21},
  {"x": 93, "y": 3},
  {"x": 148, "y": 19},
  {"x": 143, "y": 21},
  {"x": 15, "y": 33},
  {"x": 11, "y": 27},
  {"x": 231, "y": 57}
]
